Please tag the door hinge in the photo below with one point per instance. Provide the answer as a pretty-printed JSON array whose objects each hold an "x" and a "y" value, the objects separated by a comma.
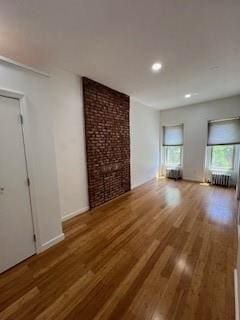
[
  {"x": 34, "y": 238},
  {"x": 28, "y": 181},
  {"x": 21, "y": 118}
]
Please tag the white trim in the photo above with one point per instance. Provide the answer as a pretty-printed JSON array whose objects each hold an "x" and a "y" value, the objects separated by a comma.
[
  {"x": 138, "y": 184},
  {"x": 26, "y": 134},
  {"x": 30, "y": 164},
  {"x": 22, "y": 66},
  {"x": 192, "y": 179},
  {"x": 52, "y": 242},
  {"x": 11, "y": 93},
  {"x": 73, "y": 214},
  {"x": 236, "y": 290}
]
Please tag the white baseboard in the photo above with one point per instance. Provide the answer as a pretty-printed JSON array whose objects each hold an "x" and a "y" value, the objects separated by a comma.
[
  {"x": 236, "y": 294},
  {"x": 52, "y": 242},
  {"x": 192, "y": 179},
  {"x": 138, "y": 184},
  {"x": 75, "y": 213}
]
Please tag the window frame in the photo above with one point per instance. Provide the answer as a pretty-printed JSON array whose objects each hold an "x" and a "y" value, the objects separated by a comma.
[
  {"x": 166, "y": 156},
  {"x": 233, "y": 159}
]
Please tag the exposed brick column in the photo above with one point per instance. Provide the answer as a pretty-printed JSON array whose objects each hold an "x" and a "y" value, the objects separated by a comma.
[{"x": 107, "y": 142}]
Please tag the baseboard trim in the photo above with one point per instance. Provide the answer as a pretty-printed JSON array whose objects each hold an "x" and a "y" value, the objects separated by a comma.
[
  {"x": 236, "y": 294},
  {"x": 52, "y": 242},
  {"x": 141, "y": 183},
  {"x": 73, "y": 214},
  {"x": 191, "y": 180}
]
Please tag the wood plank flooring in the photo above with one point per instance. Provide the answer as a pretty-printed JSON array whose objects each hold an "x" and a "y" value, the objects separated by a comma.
[{"x": 165, "y": 250}]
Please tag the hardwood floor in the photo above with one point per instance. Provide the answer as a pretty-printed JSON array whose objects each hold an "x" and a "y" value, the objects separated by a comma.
[{"x": 163, "y": 251}]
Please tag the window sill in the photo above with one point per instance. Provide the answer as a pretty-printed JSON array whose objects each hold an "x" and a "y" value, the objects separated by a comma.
[
  {"x": 173, "y": 167},
  {"x": 230, "y": 171}
]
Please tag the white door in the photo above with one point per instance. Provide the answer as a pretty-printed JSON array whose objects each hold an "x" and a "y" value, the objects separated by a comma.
[{"x": 16, "y": 227}]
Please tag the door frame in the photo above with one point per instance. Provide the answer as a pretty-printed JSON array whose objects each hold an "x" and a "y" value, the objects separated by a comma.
[{"x": 21, "y": 97}]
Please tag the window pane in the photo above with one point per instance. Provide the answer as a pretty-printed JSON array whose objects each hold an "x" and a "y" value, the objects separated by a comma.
[
  {"x": 173, "y": 156},
  {"x": 222, "y": 157}
]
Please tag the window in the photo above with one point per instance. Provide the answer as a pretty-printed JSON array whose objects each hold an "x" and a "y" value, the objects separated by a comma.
[
  {"x": 173, "y": 135},
  {"x": 173, "y": 156},
  {"x": 222, "y": 157},
  {"x": 224, "y": 132},
  {"x": 172, "y": 143}
]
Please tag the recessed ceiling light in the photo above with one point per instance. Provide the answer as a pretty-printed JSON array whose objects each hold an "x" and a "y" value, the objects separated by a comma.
[
  {"x": 156, "y": 67},
  {"x": 214, "y": 68},
  {"x": 190, "y": 95}
]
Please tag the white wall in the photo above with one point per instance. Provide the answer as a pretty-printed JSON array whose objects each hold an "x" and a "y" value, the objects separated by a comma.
[
  {"x": 57, "y": 144},
  {"x": 69, "y": 138},
  {"x": 144, "y": 136},
  {"x": 195, "y": 119},
  {"x": 38, "y": 123},
  {"x": 69, "y": 142}
]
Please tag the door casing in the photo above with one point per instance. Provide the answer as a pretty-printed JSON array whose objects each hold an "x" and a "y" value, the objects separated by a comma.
[{"x": 29, "y": 159}]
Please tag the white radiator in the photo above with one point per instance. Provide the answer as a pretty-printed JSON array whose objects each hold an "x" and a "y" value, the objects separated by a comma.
[
  {"x": 221, "y": 179},
  {"x": 174, "y": 174}
]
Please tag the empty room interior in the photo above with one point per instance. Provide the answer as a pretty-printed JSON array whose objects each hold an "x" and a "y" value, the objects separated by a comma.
[{"x": 119, "y": 160}]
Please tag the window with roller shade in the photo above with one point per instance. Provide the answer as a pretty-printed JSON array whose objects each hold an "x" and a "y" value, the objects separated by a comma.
[
  {"x": 173, "y": 135},
  {"x": 223, "y": 135},
  {"x": 173, "y": 142},
  {"x": 224, "y": 132}
]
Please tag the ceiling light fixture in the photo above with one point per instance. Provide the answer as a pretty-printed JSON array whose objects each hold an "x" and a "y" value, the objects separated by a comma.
[
  {"x": 214, "y": 68},
  {"x": 188, "y": 95},
  {"x": 156, "y": 67}
]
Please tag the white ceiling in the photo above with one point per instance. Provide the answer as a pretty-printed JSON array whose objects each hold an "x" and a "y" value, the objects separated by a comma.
[{"x": 116, "y": 41}]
